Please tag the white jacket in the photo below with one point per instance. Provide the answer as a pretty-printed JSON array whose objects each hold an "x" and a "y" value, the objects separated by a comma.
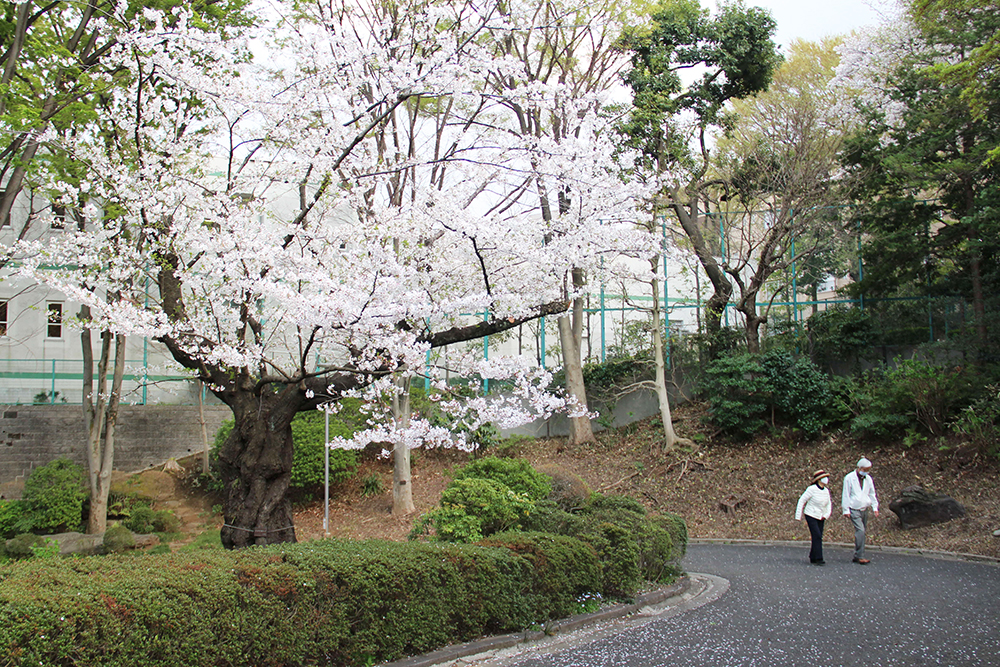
[
  {"x": 814, "y": 502},
  {"x": 858, "y": 495}
]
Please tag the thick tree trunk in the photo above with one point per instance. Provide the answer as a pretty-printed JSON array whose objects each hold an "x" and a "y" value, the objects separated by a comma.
[
  {"x": 256, "y": 467},
  {"x": 402, "y": 486}
]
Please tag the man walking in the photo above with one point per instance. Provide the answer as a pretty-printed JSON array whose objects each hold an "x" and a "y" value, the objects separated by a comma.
[{"x": 859, "y": 497}]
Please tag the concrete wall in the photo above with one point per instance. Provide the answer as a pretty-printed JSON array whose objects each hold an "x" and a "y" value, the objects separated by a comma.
[{"x": 147, "y": 436}]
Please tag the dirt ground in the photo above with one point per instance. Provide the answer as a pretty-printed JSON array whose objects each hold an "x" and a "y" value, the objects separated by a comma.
[{"x": 762, "y": 479}]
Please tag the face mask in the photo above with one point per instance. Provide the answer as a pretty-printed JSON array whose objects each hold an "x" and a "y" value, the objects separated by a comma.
[
  {"x": 825, "y": 481},
  {"x": 862, "y": 473}
]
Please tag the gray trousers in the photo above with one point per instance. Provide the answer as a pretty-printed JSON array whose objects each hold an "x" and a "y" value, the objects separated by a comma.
[{"x": 860, "y": 520}]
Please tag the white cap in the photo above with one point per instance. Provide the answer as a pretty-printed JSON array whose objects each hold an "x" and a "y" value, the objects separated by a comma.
[{"x": 864, "y": 463}]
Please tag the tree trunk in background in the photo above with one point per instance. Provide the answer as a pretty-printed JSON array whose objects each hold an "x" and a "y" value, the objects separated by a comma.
[
  {"x": 101, "y": 417},
  {"x": 402, "y": 486},
  {"x": 660, "y": 380},
  {"x": 580, "y": 430}
]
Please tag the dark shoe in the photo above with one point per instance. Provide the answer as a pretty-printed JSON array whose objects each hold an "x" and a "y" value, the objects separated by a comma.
[
  {"x": 862, "y": 561},
  {"x": 818, "y": 562}
]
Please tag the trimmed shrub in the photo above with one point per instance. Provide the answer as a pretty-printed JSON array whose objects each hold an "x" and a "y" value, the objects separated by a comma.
[
  {"x": 564, "y": 569},
  {"x": 53, "y": 497},
  {"x": 472, "y": 508},
  {"x": 569, "y": 490},
  {"x": 147, "y": 520},
  {"x": 737, "y": 393},
  {"x": 11, "y": 518},
  {"x": 118, "y": 539},
  {"x": 800, "y": 392},
  {"x": 660, "y": 541},
  {"x": 516, "y": 474},
  {"x": 744, "y": 389},
  {"x": 332, "y": 602},
  {"x": 21, "y": 545}
]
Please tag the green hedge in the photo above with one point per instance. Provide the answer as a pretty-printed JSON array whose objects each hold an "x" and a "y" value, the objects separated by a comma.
[{"x": 333, "y": 602}]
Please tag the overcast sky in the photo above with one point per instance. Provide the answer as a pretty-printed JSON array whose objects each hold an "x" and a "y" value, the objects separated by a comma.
[{"x": 814, "y": 19}]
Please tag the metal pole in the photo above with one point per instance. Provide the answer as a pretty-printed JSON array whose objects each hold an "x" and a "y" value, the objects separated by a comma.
[
  {"x": 603, "y": 332},
  {"x": 52, "y": 397}
]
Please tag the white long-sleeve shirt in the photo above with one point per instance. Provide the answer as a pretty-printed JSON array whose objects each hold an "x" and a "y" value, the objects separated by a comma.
[
  {"x": 858, "y": 495},
  {"x": 814, "y": 502}
]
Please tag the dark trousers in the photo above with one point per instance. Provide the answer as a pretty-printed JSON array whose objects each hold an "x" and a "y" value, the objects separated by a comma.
[{"x": 816, "y": 531}]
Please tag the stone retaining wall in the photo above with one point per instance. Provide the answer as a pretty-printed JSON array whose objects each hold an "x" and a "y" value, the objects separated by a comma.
[{"x": 147, "y": 436}]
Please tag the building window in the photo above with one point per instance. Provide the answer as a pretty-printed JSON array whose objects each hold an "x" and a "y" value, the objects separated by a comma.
[
  {"x": 55, "y": 320},
  {"x": 3, "y": 318},
  {"x": 58, "y": 217}
]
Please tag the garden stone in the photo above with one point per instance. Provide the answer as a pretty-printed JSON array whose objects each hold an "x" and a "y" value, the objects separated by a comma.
[
  {"x": 78, "y": 543},
  {"x": 916, "y": 507}
]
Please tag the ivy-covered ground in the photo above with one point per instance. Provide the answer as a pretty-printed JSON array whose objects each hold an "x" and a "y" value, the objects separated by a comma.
[{"x": 763, "y": 479}]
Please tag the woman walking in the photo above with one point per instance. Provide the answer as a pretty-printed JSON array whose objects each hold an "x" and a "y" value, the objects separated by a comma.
[{"x": 814, "y": 503}]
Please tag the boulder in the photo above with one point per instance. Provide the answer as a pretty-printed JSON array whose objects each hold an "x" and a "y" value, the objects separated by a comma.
[
  {"x": 916, "y": 507},
  {"x": 78, "y": 543}
]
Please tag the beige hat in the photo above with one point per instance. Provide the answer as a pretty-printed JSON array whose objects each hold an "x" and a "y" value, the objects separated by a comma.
[{"x": 819, "y": 474}]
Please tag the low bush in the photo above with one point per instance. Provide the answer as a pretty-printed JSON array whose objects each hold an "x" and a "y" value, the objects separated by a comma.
[
  {"x": 332, "y": 602},
  {"x": 913, "y": 395},
  {"x": 53, "y": 498},
  {"x": 979, "y": 423},
  {"x": 118, "y": 539},
  {"x": 516, "y": 474},
  {"x": 147, "y": 520},
  {"x": 11, "y": 518},
  {"x": 21, "y": 546}
]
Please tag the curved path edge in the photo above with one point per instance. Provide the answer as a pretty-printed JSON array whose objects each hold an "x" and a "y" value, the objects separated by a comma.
[
  {"x": 689, "y": 592},
  {"x": 910, "y": 551}
]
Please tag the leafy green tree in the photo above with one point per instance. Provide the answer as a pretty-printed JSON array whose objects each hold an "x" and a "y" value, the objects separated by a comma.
[
  {"x": 976, "y": 71},
  {"x": 735, "y": 52},
  {"x": 920, "y": 167},
  {"x": 778, "y": 162}
]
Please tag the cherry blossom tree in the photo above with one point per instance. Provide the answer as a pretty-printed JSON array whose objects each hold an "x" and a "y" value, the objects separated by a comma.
[
  {"x": 306, "y": 226},
  {"x": 60, "y": 65}
]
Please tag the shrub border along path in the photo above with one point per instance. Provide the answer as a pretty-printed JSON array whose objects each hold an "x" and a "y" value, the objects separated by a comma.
[
  {"x": 690, "y": 592},
  {"x": 675, "y": 593}
]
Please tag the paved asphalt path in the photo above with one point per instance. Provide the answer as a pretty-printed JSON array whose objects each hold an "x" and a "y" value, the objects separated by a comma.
[{"x": 780, "y": 610}]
